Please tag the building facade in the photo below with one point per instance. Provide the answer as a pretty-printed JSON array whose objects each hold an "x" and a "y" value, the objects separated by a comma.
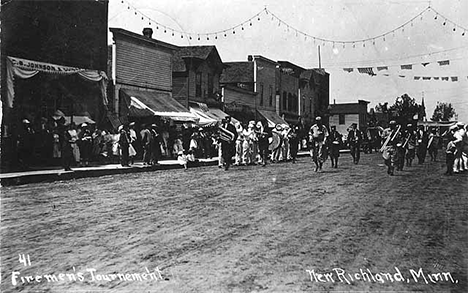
[{"x": 343, "y": 115}]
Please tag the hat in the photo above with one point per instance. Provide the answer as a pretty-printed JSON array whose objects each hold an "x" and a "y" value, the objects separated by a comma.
[
  {"x": 154, "y": 126},
  {"x": 278, "y": 127},
  {"x": 318, "y": 118},
  {"x": 84, "y": 125},
  {"x": 409, "y": 125},
  {"x": 120, "y": 128},
  {"x": 26, "y": 121},
  {"x": 132, "y": 124},
  {"x": 460, "y": 124},
  {"x": 393, "y": 122}
]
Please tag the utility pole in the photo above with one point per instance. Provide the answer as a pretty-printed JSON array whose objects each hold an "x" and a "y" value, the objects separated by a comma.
[{"x": 319, "y": 58}]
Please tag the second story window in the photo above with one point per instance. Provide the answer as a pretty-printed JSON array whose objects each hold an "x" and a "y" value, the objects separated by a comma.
[
  {"x": 198, "y": 83},
  {"x": 261, "y": 94},
  {"x": 271, "y": 96},
  {"x": 341, "y": 119},
  {"x": 210, "y": 85}
]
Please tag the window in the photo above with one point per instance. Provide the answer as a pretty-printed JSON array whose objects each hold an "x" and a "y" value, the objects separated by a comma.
[
  {"x": 271, "y": 96},
  {"x": 261, "y": 94},
  {"x": 341, "y": 119},
  {"x": 285, "y": 101},
  {"x": 198, "y": 80},
  {"x": 210, "y": 85}
]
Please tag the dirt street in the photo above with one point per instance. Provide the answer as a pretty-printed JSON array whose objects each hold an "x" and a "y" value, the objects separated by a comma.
[{"x": 282, "y": 228}]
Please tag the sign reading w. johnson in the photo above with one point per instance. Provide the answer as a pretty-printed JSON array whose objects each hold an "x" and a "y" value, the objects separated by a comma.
[{"x": 43, "y": 67}]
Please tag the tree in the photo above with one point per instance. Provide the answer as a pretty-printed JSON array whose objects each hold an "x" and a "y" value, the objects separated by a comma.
[
  {"x": 382, "y": 108},
  {"x": 443, "y": 112},
  {"x": 405, "y": 110}
]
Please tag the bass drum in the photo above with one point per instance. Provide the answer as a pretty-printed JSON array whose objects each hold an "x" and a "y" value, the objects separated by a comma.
[{"x": 275, "y": 141}]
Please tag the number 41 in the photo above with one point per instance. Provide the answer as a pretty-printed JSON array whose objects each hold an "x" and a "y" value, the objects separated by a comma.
[{"x": 24, "y": 259}]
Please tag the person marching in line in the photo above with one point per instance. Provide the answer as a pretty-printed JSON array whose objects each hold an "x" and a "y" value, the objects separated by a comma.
[
  {"x": 285, "y": 146},
  {"x": 410, "y": 145},
  {"x": 318, "y": 134},
  {"x": 421, "y": 144},
  {"x": 228, "y": 136},
  {"x": 293, "y": 137},
  {"x": 450, "y": 152},
  {"x": 460, "y": 141},
  {"x": 124, "y": 143},
  {"x": 247, "y": 144},
  {"x": 336, "y": 141},
  {"x": 276, "y": 152},
  {"x": 263, "y": 143},
  {"x": 354, "y": 141},
  {"x": 238, "y": 144},
  {"x": 391, "y": 137},
  {"x": 433, "y": 144}
]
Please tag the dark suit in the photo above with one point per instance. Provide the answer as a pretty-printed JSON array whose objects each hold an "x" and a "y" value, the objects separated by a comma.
[
  {"x": 228, "y": 148},
  {"x": 354, "y": 141}
]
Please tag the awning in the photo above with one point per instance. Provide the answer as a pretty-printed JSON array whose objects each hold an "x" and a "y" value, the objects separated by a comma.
[
  {"x": 78, "y": 120},
  {"x": 150, "y": 103},
  {"x": 272, "y": 117},
  {"x": 437, "y": 124},
  {"x": 209, "y": 116}
]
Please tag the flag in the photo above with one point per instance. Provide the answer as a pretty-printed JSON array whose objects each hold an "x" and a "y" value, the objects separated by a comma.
[
  {"x": 444, "y": 62},
  {"x": 454, "y": 78},
  {"x": 402, "y": 76},
  {"x": 380, "y": 68},
  {"x": 426, "y": 78},
  {"x": 367, "y": 70},
  {"x": 349, "y": 70},
  {"x": 407, "y": 67},
  {"x": 425, "y": 64},
  {"x": 436, "y": 78},
  {"x": 386, "y": 74},
  {"x": 445, "y": 78},
  {"x": 417, "y": 77}
]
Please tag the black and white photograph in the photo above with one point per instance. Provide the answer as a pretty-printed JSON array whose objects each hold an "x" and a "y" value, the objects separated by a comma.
[{"x": 233, "y": 146}]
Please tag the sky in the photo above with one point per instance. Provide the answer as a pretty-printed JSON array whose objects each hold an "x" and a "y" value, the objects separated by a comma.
[{"x": 424, "y": 40}]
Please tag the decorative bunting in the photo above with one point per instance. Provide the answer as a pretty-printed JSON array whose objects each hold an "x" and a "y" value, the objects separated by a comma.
[
  {"x": 349, "y": 70},
  {"x": 425, "y": 64},
  {"x": 386, "y": 74},
  {"x": 445, "y": 78},
  {"x": 454, "y": 78},
  {"x": 417, "y": 77},
  {"x": 444, "y": 62},
  {"x": 436, "y": 78},
  {"x": 380, "y": 68},
  {"x": 426, "y": 78},
  {"x": 367, "y": 70},
  {"x": 407, "y": 67},
  {"x": 402, "y": 76}
]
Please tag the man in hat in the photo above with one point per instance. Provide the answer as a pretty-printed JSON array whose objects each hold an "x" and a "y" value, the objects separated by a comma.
[
  {"x": 318, "y": 134},
  {"x": 410, "y": 144},
  {"x": 336, "y": 140},
  {"x": 124, "y": 143},
  {"x": 263, "y": 134},
  {"x": 25, "y": 144},
  {"x": 146, "y": 144},
  {"x": 391, "y": 136},
  {"x": 228, "y": 146},
  {"x": 421, "y": 144},
  {"x": 433, "y": 144},
  {"x": 293, "y": 137},
  {"x": 354, "y": 141},
  {"x": 461, "y": 143},
  {"x": 133, "y": 142},
  {"x": 85, "y": 143},
  {"x": 155, "y": 145}
]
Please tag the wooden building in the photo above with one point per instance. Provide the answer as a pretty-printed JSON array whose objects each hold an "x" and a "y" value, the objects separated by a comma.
[{"x": 343, "y": 115}]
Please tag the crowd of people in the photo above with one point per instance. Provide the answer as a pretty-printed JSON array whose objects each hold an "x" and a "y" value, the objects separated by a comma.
[{"x": 253, "y": 143}]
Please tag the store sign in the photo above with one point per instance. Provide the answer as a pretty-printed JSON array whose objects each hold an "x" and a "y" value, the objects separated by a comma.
[{"x": 43, "y": 67}]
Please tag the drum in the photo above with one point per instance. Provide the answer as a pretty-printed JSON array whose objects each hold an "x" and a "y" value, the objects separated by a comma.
[{"x": 275, "y": 142}]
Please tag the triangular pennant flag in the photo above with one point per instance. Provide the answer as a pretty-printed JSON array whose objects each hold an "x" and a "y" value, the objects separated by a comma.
[
  {"x": 426, "y": 78},
  {"x": 386, "y": 74},
  {"x": 454, "y": 78},
  {"x": 417, "y": 77},
  {"x": 444, "y": 62},
  {"x": 445, "y": 78},
  {"x": 407, "y": 66},
  {"x": 436, "y": 78},
  {"x": 402, "y": 76},
  {"x": 367, "y": 70},
  {"x": 425, "y": 64},
  {"x": 380, "y": 68},
  {"x": 349, "y": 70}
]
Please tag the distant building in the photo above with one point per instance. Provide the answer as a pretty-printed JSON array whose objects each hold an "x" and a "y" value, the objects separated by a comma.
[
  {"x": 314, "y": 95},
  {"x": 142, "y": 78},
  {"x": 343, "y": 115},
  {"x": 195, "y": 75}
]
